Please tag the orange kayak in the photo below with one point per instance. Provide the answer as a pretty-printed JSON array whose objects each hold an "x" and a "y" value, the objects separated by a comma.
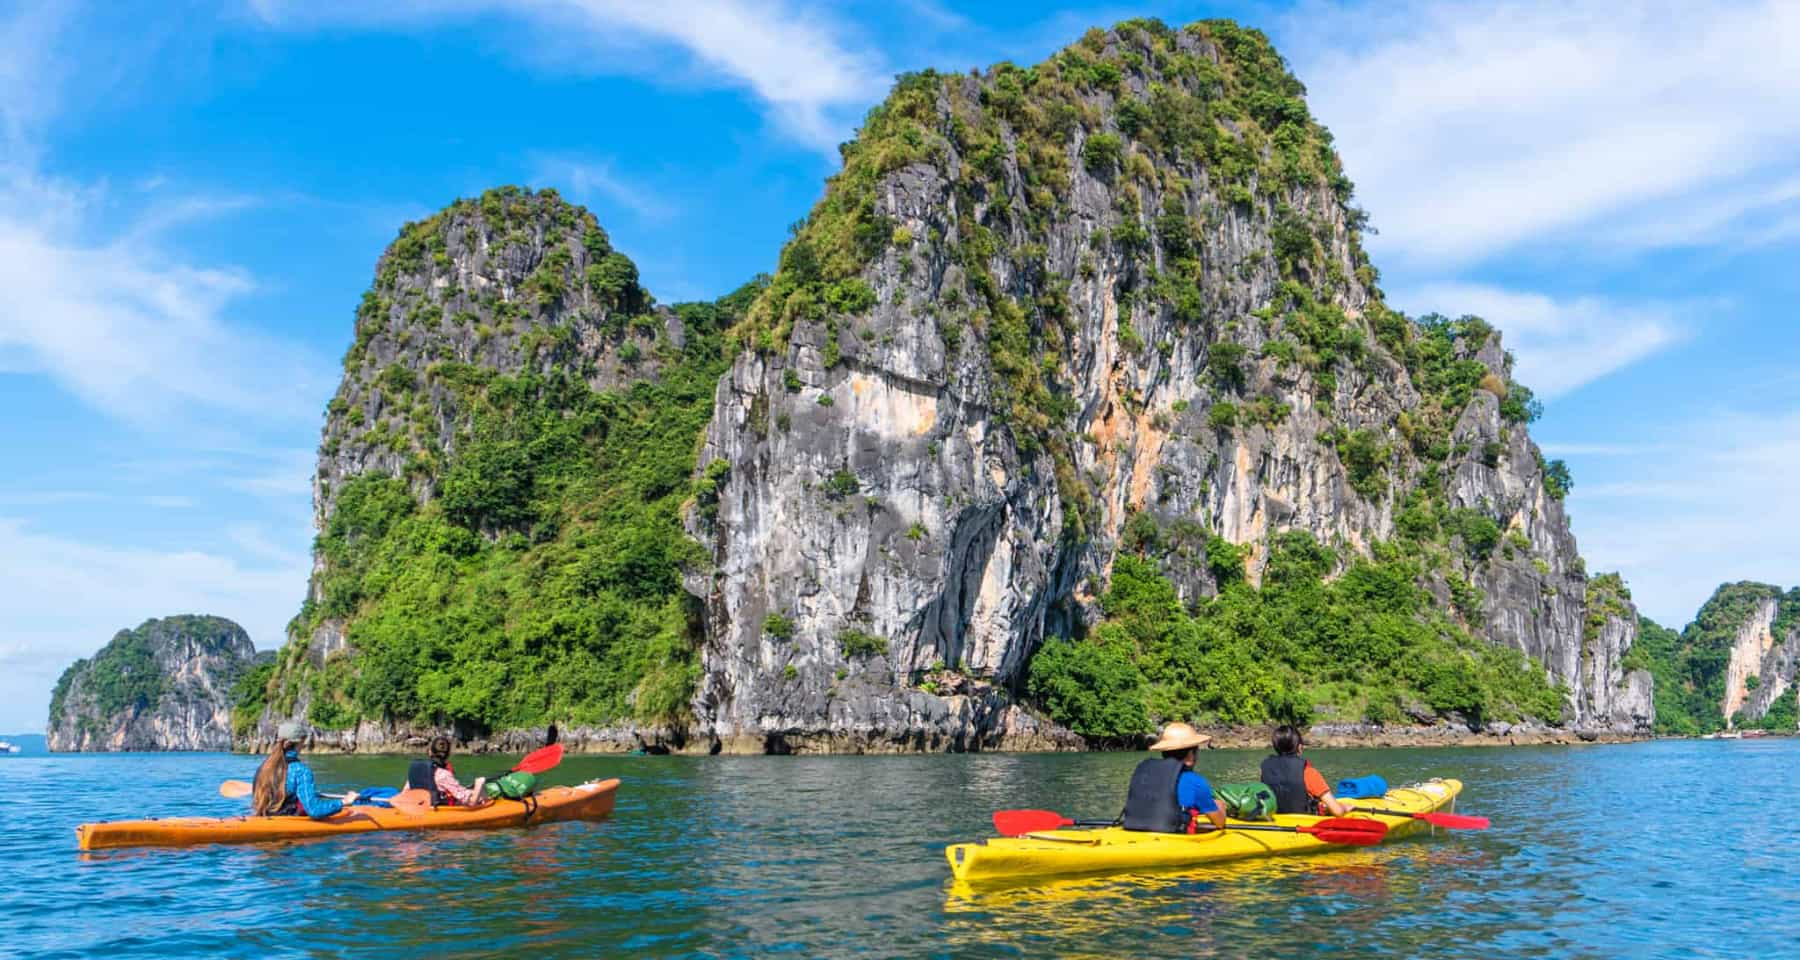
[{"x": 588, "y": 801}]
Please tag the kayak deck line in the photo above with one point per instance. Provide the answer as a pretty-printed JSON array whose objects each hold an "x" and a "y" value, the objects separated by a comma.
[
  {"x": 1114, "y": 849},
  {"x": 587, "y": 801}
]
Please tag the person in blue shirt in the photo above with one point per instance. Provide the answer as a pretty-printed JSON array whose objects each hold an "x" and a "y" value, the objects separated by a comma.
[
  {"x": 1166, "y": 795},
  {"x": 284, "y": 783}
]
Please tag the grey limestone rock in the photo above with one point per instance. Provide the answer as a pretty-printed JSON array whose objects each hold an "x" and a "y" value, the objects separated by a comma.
[{"x": 167, "y": 685}]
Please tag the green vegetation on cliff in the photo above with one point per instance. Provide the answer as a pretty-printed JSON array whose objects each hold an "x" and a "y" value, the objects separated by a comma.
[
  {"x": 543, "y": 582},
  {"x": 524, "y": 564},
  {"x": 124, "y": 674},
  {"x": 1369, "y": 645}
]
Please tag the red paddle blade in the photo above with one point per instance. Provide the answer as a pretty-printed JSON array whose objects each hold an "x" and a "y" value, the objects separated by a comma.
[
  {"x": 541, "y": 759},
  {"x": 1353, "y": 838},
  {"x": 1361, "y": 833},
  {"x": 1012, "y": 823},
  {"x": 1453, "y": 821}
]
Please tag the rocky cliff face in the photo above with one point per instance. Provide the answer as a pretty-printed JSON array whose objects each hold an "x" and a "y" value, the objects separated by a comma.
[
  {"x": 1760, "y": 652},
  {"x": 1038, "y": 304},
  {"x": 166, "y": 685},
  {"x": 1043, "y": 314},
  {"x": 1734, "y": 665},
  {"x": 496, "y": 485},
  {"x": 511, "y": 282},
  {"x": 1607, "y": 693},
  {"x": 1749, "y": 647},
  {"x": 1775, "y": 682}
]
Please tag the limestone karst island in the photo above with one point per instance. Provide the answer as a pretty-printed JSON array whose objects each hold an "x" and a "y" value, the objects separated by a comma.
[{"x": 1071, "y": 452}]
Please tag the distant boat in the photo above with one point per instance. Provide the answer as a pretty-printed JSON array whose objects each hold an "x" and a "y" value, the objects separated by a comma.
[
  {"x": 1732, "y": 735},
  {"x": 8, "y": 747}
]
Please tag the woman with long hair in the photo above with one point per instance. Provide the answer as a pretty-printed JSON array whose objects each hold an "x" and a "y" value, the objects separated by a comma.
[{"x": 284, "y": 783}]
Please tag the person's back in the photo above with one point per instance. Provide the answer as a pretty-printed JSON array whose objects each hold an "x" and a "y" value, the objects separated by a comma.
[
  {"x": 1166, "y": 795},
  {"x": 284, "y": 783},
  {"x": 435, "y": 775},
  {"x": 1151, "y": 801},
  {"x": 1298, "y": 787}
]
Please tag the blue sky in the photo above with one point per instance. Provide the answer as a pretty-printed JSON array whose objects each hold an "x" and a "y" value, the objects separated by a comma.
[{"x": 193, "y": 195}]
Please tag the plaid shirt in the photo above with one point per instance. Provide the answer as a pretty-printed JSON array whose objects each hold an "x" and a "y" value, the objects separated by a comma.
[{"x": 450, "y": 789}]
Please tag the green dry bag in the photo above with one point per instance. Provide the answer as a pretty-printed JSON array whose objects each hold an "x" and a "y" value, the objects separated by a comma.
[
  {"x": 1247, "y": 801},
  {"x": 513, "y": 786}
]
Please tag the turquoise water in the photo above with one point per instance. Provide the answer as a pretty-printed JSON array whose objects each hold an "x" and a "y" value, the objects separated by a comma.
[{"x": 1672, "y": 849}]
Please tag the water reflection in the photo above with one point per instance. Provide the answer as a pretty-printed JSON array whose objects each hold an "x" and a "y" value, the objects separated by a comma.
[{"x": 843, "y": 856}]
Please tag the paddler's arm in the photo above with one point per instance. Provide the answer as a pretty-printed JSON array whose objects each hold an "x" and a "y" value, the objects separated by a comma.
[
  {"x": 1194, "y": 793},
  {"x": 317, "y": 805},
  {"x": 1321, "y": 791}
]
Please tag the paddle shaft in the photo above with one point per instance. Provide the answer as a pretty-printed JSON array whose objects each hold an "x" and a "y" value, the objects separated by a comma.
[
  {"x": 1207, "y": 828},
  {"x": 1437, "y": 818},
  {"x": 1415, "y": 814}
]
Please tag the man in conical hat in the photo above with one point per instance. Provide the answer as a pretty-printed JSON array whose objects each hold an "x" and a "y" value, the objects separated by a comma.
[{"x": 1166, "y": 795}]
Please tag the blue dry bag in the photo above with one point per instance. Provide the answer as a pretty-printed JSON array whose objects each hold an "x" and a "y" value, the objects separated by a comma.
[{"x": 1361, "y": 788}]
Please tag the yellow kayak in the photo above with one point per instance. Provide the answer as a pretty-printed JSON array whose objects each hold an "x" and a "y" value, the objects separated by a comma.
[
  {"x": 1114, "y": 849},
  {"x": 589, "y": 801}
]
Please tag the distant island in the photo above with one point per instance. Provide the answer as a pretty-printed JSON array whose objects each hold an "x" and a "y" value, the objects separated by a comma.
[{"x": 169, "y": 684}]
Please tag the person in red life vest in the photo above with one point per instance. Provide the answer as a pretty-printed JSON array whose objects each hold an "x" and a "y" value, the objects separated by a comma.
[
  {"x": 1298, "y": 787},
  {"x": 435, "y": 776},
  {"x": 284, "y": 784},
  {"x": 1166, "y": 795}
]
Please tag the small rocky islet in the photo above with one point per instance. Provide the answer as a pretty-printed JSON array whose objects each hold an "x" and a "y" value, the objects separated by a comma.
[{"x": 168, "y": 684}]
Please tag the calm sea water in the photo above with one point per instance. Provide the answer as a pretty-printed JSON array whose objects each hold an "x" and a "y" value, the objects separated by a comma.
[{"x": 1672, "y": 849}]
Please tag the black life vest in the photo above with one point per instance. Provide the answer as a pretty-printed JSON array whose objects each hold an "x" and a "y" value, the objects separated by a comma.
[
  {"x": 1285, "y": 774},
  {"x": 422, "y": 775},
  {"x": 1151, "y": 801}
]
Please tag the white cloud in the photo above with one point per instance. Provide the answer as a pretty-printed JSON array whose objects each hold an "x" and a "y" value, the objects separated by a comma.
[
  {"x": 65, "y": 598},
  {"x": 127, "y": 326},
  {"x": 272, "y": 473},
  {"x": 28, "y": 76},
  {"x": 52, "y": 498},
  {"x": 1750, "y": 216},
  {"x": 1604, "y": 449},
  {"x": 1719, "y": 509},
  {"x": 790, "y": 57},
  {"x": 584, "y": 180},
  {"x": 1477, "y": 129},
  {"x": 108, "y": 310},
  {"x": 1561, "y": 344},
  {"x": 46, "y": 498}
]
